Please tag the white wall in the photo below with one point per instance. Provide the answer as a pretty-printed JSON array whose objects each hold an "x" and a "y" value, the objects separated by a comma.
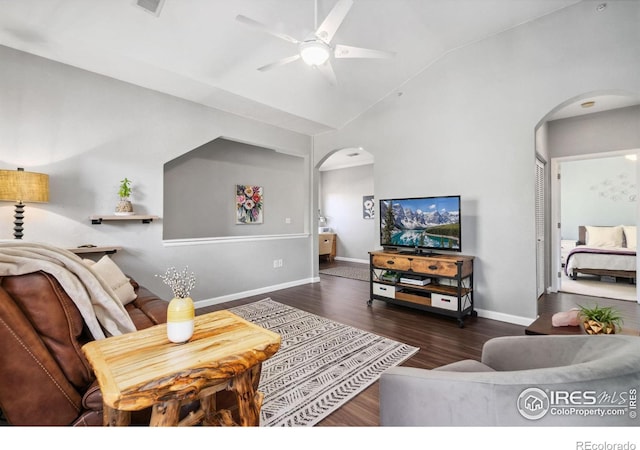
[
  {"x": 599, "y": 191},
  {"x": 88, "y": 132},
  {"x": 341, "y": 202},
  {"x": 466, "y": 125}
]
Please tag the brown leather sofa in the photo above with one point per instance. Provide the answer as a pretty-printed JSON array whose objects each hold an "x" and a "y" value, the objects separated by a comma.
[{"x": 44, "y": 377}]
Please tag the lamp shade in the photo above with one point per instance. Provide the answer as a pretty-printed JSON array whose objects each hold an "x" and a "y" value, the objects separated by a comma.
[{"x": 20, "y": 186}]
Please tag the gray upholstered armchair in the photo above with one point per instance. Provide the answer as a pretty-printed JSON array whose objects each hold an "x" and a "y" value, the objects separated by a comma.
[{"x": 522, "y": 381}]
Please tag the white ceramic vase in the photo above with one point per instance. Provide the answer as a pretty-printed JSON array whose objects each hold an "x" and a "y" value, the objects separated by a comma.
[{"x": 180, "y": 318}]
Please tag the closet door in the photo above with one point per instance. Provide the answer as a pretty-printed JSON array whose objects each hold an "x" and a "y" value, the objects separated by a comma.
[{"x": 540, "y": 256}]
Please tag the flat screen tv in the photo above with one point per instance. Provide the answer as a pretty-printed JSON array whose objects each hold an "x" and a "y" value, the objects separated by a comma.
[{"x": 421, "y": 223}]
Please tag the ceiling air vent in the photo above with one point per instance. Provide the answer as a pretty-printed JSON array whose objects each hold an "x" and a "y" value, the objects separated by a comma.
[{"x": 151, "y": 6}]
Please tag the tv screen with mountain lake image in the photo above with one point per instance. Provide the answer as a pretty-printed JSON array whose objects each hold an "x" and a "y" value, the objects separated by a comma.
[{"x": 423, "y": 223}]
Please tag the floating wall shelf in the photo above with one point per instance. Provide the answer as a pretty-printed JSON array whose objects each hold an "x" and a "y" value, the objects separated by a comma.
[
  {"x": 109, "y": 250},
  {"x": 97, "y": 220}
]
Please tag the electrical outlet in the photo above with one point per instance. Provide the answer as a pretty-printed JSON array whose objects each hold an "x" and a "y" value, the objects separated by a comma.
[
  {"x": 279, "y": 263},
  {"x": 287, "y": 220},
  {"x": 275, "y": 263}
]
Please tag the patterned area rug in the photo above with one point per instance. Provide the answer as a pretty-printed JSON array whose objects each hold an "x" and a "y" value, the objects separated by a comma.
[
  {"x": 320, "y": 366},
  {"x": 355, "y": 273}
]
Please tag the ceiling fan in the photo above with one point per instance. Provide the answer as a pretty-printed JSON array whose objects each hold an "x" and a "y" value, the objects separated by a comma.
[{"x": 316, "y": 49}]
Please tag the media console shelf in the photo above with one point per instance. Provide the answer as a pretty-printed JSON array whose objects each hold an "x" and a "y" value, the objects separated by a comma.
[{"x": 440, "y": 283}]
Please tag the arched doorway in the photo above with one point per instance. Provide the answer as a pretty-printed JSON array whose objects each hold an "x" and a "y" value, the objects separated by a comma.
[
  {"x": 344, "y": 180},
  {"x": 591, "y": 126}
]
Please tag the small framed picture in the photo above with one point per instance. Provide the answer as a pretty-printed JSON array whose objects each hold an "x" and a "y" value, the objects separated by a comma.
[
  {"x": 249, "y": 204},
  {"x": 368, "y": 207}
]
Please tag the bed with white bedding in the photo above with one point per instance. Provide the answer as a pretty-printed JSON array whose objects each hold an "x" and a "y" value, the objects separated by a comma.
[{"x": 604, "y": 251}]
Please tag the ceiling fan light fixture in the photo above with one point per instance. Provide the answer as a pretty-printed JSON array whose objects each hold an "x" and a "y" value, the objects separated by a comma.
[{"x": 314, "y": 53}]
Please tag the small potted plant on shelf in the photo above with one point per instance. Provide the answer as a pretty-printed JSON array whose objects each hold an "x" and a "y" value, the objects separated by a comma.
[
  {"x": 124, "y": 206},
  {"x": 600, "y": 319}
]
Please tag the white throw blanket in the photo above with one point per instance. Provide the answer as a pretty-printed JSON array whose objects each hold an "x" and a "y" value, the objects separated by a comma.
[{"x": 101, "y": 309}]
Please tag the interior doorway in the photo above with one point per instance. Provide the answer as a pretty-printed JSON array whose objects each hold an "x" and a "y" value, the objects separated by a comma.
[
  {"x": 346, "y": 203},
  {"x": 591, "y": 125},
  {"x": 594, "y": 189}
]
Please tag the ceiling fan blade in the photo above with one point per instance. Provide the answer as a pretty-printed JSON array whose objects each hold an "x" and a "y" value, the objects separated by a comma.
[
  {"x": 262, "y": 27},
  {"x": 347, "y": 51},
  {"x": 334, "y": 19},
  {"x": 280, "y": 62},
  {"x": 327, "y": 71}
]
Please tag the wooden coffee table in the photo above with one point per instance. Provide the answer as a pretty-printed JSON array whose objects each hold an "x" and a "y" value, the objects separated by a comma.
[
  {"x": 144, "y": 369},
  {"x": 552, "y": 303},
  {"x": 542, "y": 325}
]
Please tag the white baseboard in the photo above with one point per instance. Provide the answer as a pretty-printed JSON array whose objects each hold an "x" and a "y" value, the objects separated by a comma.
[
  {"x": 263, "y": 290},
  {"x": 516, "y": 320},
  {"x": 342, "y": 258}
]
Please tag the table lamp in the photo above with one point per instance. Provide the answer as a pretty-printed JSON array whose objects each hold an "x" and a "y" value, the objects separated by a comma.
[{"x": 20, "y": 186}]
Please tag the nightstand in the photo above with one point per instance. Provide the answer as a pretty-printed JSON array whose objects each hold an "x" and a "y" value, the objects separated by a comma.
[{"x": 327, "y": 245}]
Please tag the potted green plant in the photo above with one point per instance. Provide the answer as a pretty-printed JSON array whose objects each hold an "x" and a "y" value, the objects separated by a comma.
[
  {"x": 124, "y": 206},
  {"x": 600, "y": 319}
]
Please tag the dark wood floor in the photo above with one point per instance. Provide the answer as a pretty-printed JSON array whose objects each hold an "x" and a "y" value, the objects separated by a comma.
[{"x": 439, "y": 338}]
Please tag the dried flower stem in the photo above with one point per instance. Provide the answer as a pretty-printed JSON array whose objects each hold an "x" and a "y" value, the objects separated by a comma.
[{"x": 181, "y": 283}]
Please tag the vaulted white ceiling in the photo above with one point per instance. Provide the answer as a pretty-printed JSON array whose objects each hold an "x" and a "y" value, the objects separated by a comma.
[{"x": 197, "y": 50}]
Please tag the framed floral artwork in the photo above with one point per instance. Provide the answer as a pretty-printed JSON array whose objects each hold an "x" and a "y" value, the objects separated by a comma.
[
  {"x": 368, "y": 207},
  {"x": 249, "y": 204}
]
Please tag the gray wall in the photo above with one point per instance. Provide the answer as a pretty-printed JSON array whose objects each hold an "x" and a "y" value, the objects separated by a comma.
[
  {"x": 467, "y": 125},
  {"x": 341, "y": 202},
  {"x": 199, "y": 191},
  {"x": 88, "y": 132},
  {"x": 618, "y": 129}
]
